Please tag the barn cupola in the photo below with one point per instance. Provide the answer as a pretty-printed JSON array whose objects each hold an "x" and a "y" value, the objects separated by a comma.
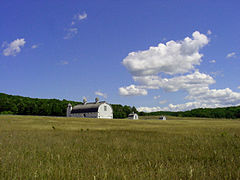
[
  {"x": 96, "y": 100},
  {"x": 84, "y": 100}
]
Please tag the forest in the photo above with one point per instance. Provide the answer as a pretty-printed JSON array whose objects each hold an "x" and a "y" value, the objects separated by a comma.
[
  {"x": 223, "y": 112},
  {"x": 11, "y": 104}
]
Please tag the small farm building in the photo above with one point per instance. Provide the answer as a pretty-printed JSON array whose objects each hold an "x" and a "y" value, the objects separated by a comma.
[
  {"x": 162, "y": 118},
  {"x": 133, "y": 116},
  {"x": 91, "y": 110}
]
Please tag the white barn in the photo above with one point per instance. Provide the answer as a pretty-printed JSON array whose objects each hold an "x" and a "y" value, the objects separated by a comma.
[
  {"x": 133, "y": 116},
  {"x": 91, "y": 110}
]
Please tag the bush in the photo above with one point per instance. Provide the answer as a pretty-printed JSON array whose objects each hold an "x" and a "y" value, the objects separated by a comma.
[{"x": 6, "y": 112}]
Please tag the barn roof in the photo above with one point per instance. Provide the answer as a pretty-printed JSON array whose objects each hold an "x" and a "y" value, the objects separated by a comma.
[
  {"x": 86, "y": 108},
  {"x": 132, "y": 114}
]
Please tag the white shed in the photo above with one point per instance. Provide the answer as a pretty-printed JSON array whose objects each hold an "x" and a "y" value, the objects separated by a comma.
[
  {"x": 133, "y": 116},
  {"x": 162, "y": 118},
  {"x": 91, "y": 110}
]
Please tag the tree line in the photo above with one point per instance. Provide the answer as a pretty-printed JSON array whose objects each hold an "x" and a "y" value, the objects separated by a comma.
[
  {"x": 224, "y": 112},
  {"x": 11, "y": 104}
]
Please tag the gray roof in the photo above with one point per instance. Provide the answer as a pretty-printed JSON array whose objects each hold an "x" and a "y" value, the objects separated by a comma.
[
  {"x": 132, "y": 114},
  {"x": 86, "y": 108}
]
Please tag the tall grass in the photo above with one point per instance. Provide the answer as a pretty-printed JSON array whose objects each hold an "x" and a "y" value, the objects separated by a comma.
[{"x": 118, "y": 149}]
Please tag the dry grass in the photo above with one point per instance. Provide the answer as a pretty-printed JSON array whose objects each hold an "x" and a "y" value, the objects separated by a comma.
[{"x": 118, "y": 149}]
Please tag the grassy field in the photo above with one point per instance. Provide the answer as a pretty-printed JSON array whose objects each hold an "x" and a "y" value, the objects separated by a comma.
[{"x": 179, "y": 148}]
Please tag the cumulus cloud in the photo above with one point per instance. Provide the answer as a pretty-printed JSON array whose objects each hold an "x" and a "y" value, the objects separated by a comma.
[
  {"x": 199, "y": 93},
  {"x": 185, "y": 82},
  {"x": 152, "y": 109},
  {"x": 172, "y": 107},
  {"x": 132, "y": 90},
  {"x": 216, "y": 97},
  {"x": 238, "y": 87},
  {"x": 202, "y": 98},
  {"x": 98, "y": 93},
  {"x": 230, "y": 55},
  {"x": 172, "y": 67},
  {"x": 14, "y": 47},
  {"x": 172, "y": 58}
]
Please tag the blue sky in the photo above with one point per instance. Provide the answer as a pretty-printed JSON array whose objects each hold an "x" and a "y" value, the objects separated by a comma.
[{"x": 154, "y": 55}]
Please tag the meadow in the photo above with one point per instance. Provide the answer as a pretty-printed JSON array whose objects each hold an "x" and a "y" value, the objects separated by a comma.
[{"x": 34, "y": 147}]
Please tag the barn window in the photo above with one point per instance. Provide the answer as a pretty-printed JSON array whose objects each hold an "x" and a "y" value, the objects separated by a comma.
[{"x": 105, "y": 108}]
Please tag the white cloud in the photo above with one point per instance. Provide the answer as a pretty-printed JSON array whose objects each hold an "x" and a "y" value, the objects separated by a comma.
[
  {"x": 152, "y": 109},
  {"x": 164, "y": 39},
  {"x": 215, "y": 97},
  {"x": 71, "y": 32},
  {"x": 202, "y": 98},
  {"x": 172, "y": 107},
  {"x": 177, "y": 60},
  {"x": 217, "y": 73},
  {"x": 98, "y": 93},
  {"x": 160, "y": 102},
  {"x": 238, "y": 87},
  {"x": 4, "y": 44},
  {"x": 34, "y": 46},
  {"x": 132, "y": 90},
  {"x": 213, "y": 61},
  {"x": 163, "y": 102},
  {"x": 186, "y": 106},
  {"x": 185, "y": 82},
  {"x": 209, "y": 32},
  {"x": 172, "y": 58},
  {"x": 197, "y": 87},
  {"x": 64, "y": 63},
  {"x": 78, "y": 17},
  {"x": 14, "y": 47},
  {"x": 81, "y": 16},
  {"x": 156, "y": 97},
  {"x": 230, "y": 55}
]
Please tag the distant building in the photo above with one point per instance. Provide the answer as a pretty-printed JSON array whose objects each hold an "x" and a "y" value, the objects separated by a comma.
[
  {"x": 162, "y": 118},
  {"x": 133, "y": 116},
  {"x": 95, "y": 109}
]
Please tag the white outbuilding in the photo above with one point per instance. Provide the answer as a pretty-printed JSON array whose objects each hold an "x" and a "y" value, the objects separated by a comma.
[
  {"x": 162, "y": 118},
  {"x": 97, "y": 109},
  {"x": 133, "y": 116}
]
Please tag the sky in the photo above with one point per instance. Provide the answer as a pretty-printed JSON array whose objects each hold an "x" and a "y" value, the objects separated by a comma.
[{"x": 155, "y": 55}]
